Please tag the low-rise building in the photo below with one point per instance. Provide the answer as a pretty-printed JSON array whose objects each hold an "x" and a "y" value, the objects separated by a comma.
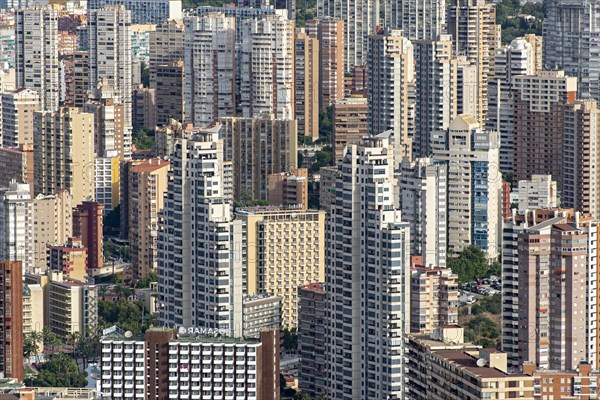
[
  {"x": 189, "y": 363},
  {"x": 260, "y": 313},
  {"x": 446, "y": 368}
]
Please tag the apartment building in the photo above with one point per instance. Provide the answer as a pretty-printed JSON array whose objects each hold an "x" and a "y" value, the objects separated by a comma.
[
  {"x": 328, "y": 175},
  {"x": 169, "y": 93},
  {"x": 537, "y": 192},
  {"x": 472, "y": 24},
  {"x": 72, "y": 306},
  {"x": 70, "y": 258},
  {"x": 87, "y": 225},
  {"x": 537, "y": 123},
  {"x": 258, "y": 147},
  {"x": 555, "y": 263},
  {"x": 306, "y": 84},
  {"x": 17, "y": 164},
  {"x": 512, "y": 228},
  {"x": 471, "y": 156},
  {"x": 144, "y": 12},
  {"x": 350, "y": 123},
  {"x": 581, "y": 130},
  {"x": 261, "y": 312},
  {"x": 147, "y": 182},
  {"x": 366, "y": 324},
  {"x": 419, "y": 20},
  {"x": 17, "y": 117},
  {"x": 110, "y": 59},
  {"x": 37, "y": 31},
  {"x": 361, "y": 18},
  {"x": 143, "y": 105},
  {"x": 285, "y": 249},
  {"x": 433, "y": 298},
  {"x": 192, "y": 294},
  {"x": 444, "y": 367},
  {"x": 174, "y": 364},
  {"x": 330, "y": 35},
  {"x": 391, "y": 94},
  {"x": 66, "y": 161},
  {"x": 266, "y": 82},
  {"x": 518, "y": 58},
  {"x": 312, "y": 329},
  {"x": 210, "y": 68},
  {"x": 565, "y": 49},
  {"x": 11, "y": 314},
  {"x": 33, "y": 306},
  {"x": 289, "y": 188},
  {"x": 581, "y": 383},
  {"x": 16, "y": 225},
  {"x": 165, "y": 46},
  {"x": 423, "y": 201},
  {"x": 436, "y": 89}
]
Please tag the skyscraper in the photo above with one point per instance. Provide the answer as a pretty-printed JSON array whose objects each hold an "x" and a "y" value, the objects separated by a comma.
[
  {"x": 200, "y": 277},
  {"x": 557, "y": 293},
  {"x": 11, "y": 312},
  {"x": 258, "y": 147},
  {"x": 87, "y": 225},
  {"x": 472, "y": 24},
  {"x": 145, "y": 11},
  {"x": 436, "y": 90},
  {"x": 567, "y": 49},
  {"x": 330, "y": 34},
  {"x": 417, "y": 19},
  {"x": 391, "y": 90},
  {"x": 367, "y": 277},
  {"x": 267, "y": 67},
  {"x": 361, "y": 18},
  {"x": 580, "y": 179},
  {"x": 16, "y": 225},
  {"x": 110, "y": 59},
  {"x": 306, "y": 84},
  {"x": 66, "y": 160},
  {"x": 518, "y": 58},
  {"x": 17, "y": 117},
  {"x": 350, "y": 123},
  {"x": 474, "y": 184},
  {"x": 210, "y": 87},
  {"x": 36, "y": 46},
  {"x": 165, "y": 46},
  {"x": 423, "y": 201},
  {"x": 537, "y": 123}
]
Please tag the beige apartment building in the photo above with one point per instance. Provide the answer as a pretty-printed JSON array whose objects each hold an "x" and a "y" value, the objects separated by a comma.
[
  {"x": 17, "y": 164},
  {"x": 147, "y": 182},
  {"x": 72, "y": 306},
  {"x": 443, "y": 367},
  {"x": 330, "y": 35},
  {"x": 289, "y": 189},
  {"x": 53, "y": 216},
  {"x": 284, "y": 251},
  {"x": 472, "y": 24},
  {"x": 165, "y": 47},
  {"x": 581, "y": 155},
  {"x": 33, "y": 306},
  {"x": 433, "y": 298},
  {"x": 350, "y": 123},
  {"x": 306, "y": 84},
  {"x": 66, "y": 158},
  {"x": 17, "y": 117}
]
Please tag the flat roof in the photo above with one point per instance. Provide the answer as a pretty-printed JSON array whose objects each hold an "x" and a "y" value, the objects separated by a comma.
[{"x": 465, "y": 361}]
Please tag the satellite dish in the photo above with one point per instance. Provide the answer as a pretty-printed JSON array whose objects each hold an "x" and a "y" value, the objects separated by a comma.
[
  {"x": 128, "y": 334},
  {"x": 481, "y": 362}
]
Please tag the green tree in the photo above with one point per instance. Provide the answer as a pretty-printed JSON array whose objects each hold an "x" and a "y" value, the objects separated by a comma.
[
  {"x": 491, "y": 304},
  {"x": 129, "y": 316},
  {"x": 145, "y": 72},
  {"x": 36, "y": 339},
  {"x": 58, "y": 371},
  {"x": 147, "y": 280},
  {"x": 50, "y": 339},
  {"x": 290, "y": 339},
  {"x": 143, "y": 139},
  {"x": 469, "y": 265}
]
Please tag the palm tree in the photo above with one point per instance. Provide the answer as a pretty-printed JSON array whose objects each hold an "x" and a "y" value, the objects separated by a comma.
[
  {"x": 73, "y": 339},
  {"x": 50, "y": 338},
  {"x": 36, "y": 338},
  {"x": 28, "y": 348}
]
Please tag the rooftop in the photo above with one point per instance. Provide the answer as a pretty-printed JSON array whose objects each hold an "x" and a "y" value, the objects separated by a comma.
[{"x": 465, "y": 361}]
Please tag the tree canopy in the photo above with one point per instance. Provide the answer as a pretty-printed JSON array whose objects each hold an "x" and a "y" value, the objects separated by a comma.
[
  {"x": 59, "y": 371},
  {"x": 471, "y": 264}
]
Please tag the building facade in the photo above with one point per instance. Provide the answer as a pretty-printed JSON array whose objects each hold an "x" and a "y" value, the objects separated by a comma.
[
  {"x": 87, "y": 225},
  {"x": 17, "y": 117},
  {"x": 11, "y": 312},
  {"x": 350, "y": 123},
  {"x": 306, "y": 84},
  {"x": 16, "y": 225}
]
